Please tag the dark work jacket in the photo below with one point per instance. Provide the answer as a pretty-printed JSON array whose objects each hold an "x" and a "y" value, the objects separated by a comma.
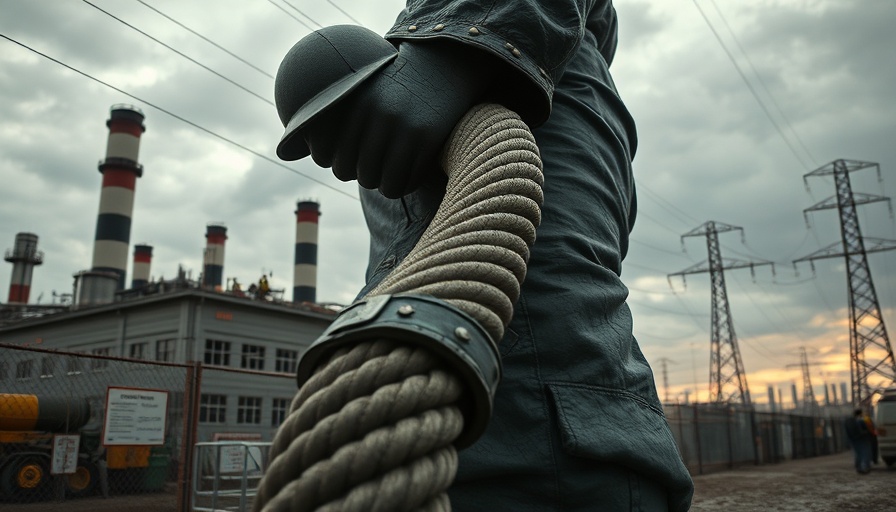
[{"x": 577, "y": 423}]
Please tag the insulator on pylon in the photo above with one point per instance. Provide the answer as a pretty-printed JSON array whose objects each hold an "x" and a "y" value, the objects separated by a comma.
[{"x": 305, "y": 275}]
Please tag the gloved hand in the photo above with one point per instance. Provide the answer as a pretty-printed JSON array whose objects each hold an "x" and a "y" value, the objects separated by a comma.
[{"x": 389, "y": 132}]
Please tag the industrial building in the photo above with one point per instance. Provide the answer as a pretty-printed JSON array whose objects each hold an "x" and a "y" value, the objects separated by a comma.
[{"x": 254, "y": 333}]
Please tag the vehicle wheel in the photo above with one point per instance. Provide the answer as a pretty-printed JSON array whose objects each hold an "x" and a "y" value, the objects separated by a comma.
[
  {"x": 25, "y": 478},
  {"x": 83, "y": 481},
  {"x": 889, "y": 461}
]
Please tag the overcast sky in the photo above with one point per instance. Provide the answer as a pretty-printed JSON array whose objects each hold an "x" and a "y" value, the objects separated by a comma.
[{"x": 824, "y": 70}]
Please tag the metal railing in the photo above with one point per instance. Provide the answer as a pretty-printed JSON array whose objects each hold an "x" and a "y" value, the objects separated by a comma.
[{"x": 226, "y": 474}]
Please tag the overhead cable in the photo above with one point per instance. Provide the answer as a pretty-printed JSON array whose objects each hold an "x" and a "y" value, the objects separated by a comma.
[
  {"x": 182, "y": 119},
  {"x": 209, "y": 41},
  {"x": 191, "y": 59}
]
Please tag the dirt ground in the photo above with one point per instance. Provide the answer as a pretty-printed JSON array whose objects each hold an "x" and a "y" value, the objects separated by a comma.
[{"x": 822, "y": 484}]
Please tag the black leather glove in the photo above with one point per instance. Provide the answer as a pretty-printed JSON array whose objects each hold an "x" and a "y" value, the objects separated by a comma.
[{"x": 388, "y": 133}]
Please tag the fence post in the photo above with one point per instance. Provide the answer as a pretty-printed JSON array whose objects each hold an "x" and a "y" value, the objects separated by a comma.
[
  {"x": 697, "y": 438},
  {"x": 756, "y": 438},
  {"x": 192, "y": 388},
  {"x": 730, "y": 413}
]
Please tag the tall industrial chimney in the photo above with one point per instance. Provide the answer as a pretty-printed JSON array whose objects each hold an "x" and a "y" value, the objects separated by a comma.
[
  {"x": 120, "y": 171},
  {"x": 304, "y": 288},
  {"x": 142, "y": 263},
  {"x": 213, "y": 259},
  {"x": 23, "y": 256}
]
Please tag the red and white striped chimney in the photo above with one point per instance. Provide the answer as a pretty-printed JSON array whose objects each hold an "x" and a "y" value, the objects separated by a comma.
[
  {"x": 120, "y": 171},
  {"x": 213, "y": 259},
  {"x": 304, "y": 284},
  {"x": 142, "y": 263},
  {"x": 24, "y": 256}
]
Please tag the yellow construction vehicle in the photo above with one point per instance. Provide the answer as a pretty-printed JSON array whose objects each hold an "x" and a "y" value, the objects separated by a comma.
[{"x": 28, "y": 424}]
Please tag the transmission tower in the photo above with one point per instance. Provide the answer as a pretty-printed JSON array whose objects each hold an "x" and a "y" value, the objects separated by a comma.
[
  {"x": 726, "y": 369},
  {"x": 664, "y": 361},
  {"x": 869, "y": 346},
  {"x": 810, "y": 404}
]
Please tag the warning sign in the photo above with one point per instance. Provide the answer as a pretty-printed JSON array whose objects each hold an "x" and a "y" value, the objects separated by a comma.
[
  {"x": 135, "y": 416},
  {"x": 65, "y": 454}
]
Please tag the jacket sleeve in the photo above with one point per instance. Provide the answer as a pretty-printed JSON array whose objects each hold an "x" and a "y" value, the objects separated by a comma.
[{"x": 533, "y": 38}]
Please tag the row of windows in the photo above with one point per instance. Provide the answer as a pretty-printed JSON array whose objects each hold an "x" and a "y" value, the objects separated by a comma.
[
  {"x": 217, "y": 352},
  {"x": 252, "y": 357},
  {"x": 213, "y": 409},
  {"x": 164, "y": 350},
  {"x": 48, "y": 365}
]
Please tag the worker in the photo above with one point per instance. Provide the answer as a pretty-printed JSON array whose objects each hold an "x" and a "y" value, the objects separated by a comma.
[{"x": 577, "y": 424}]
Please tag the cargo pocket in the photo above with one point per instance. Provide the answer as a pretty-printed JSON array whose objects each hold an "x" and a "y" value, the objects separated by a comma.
[{"x": 620, "y": 428}]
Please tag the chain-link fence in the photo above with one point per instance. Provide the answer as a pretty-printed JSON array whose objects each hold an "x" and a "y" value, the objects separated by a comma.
[
  {"x": 713, "y": 437},
  {"x": 77, "y": 425}
]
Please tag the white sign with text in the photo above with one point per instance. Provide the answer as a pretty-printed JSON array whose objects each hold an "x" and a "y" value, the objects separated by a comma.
[{"x": 135, "y": 417}]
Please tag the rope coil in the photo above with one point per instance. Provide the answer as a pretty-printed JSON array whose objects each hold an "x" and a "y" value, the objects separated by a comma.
[{"x": 373, "y": 428}]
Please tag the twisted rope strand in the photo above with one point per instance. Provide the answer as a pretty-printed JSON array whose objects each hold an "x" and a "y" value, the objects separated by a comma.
[{"x": 372, "y": 429}]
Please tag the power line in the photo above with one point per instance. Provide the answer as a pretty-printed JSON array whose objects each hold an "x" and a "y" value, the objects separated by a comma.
[
  {"x": 303, "y": 14},
  {"x": 216, "y": 45},
  {"x": 750, "y": 86},
  {"x": 180, "y": 118},
  {"x": 309, "y": 27},
  {"x": 670, "y": 207},
  {"x": 667, "y": 251},
  {"x": 194, "y": 61},
  {"x": 331, "y": 2},
  {"x": 762, "y": 83}
]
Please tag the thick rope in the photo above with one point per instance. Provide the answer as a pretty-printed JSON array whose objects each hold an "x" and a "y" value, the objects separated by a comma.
[{"x": 372, "y": 429}]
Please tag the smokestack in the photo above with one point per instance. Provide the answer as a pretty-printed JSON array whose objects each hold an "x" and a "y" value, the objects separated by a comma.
[
  {"x": 845, "y": 397},
  {"x": 796, "y": 401},
  {"x": 304, "y": 288},
  {"x": 23, "y": 256},
  {"x": 771, "y": 398},
  {"x": 834, "y": 394},
  {"x": 120, "y": 171},
  {"x": 142, "y": 262},
  {"x": 213, "y": 260}
]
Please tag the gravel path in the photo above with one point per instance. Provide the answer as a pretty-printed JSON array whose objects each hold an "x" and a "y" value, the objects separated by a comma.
[{"x": 821, "y": 484}]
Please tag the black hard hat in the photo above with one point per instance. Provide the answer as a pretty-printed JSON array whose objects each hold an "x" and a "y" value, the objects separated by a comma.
[{"x": 318, "y": 71}]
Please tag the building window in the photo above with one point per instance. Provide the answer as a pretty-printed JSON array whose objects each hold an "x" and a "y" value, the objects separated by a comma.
[
  {"x": 249, "y": 410},
  {"x": 217, "y": 352},
  {"x": 287, "y": 360},
  {"x": 279, "y": 411},
  {"x": 99, "y": 364},
  {"x": 23, "y": 369},
  {"x": 253, "y": 357},
  {"x": 46, "y": 367},
  {"x": 139, "y": 350},
  {"x": 73, "y": 365},
  {"x": 212, "y": 408},
  {"x": 165, "y": 350}
]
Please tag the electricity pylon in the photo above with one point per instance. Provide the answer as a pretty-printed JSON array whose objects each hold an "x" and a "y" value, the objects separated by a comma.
[
  {"x": 726, "y": 369},
  {"x": 869, "y": 346},
  {"x": 664, "y": 361},
  {"x": 810, "y": 404}
]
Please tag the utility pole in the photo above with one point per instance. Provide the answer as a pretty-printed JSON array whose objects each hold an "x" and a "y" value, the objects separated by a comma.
[
  {"x": 664, "y": 362},
  {"x": 726, "y": 369},
  {"x": 869, "y": 346},
  {"x": 810, "y": 404}
]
